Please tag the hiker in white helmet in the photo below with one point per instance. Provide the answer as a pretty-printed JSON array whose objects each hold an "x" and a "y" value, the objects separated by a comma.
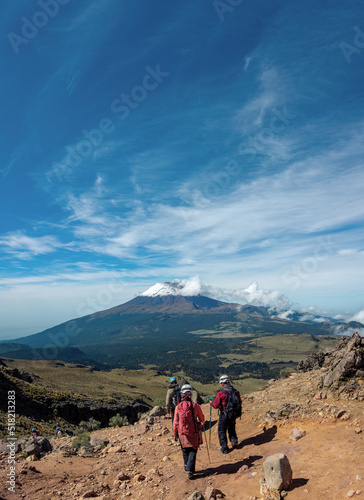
[
  {"x": 228, "y": 401},
  {"x": 188, "y": 418}
]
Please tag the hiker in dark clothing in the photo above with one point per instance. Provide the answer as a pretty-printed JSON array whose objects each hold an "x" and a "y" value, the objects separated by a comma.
[
  {"x": 228, "y": 401},
  {"x": 188, "y": 418},
  {"x": 173, "y": 396}
]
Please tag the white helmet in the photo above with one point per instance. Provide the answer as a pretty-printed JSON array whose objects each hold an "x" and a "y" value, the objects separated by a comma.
[
  {"x": 224, "y": 379},
  {"x": 186, "y": 389}
]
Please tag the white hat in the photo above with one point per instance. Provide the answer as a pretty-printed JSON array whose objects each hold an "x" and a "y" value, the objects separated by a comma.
[
  {"x": 186, "y": 389},
  {"x": 224, "y": 379}
]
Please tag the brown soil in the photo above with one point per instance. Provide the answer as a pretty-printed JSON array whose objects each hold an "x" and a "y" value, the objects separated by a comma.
[{"x": 327, "y": 463}]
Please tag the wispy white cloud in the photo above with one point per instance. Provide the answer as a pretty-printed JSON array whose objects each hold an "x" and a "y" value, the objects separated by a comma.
[
  {"x": 300, "y": 201},
  {"x": 22, "y": 246}
]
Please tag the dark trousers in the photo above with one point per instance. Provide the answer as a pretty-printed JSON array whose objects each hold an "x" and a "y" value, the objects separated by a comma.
[
  {"x": 226, "y": 425},
  {"x": 189, "y": 458}
]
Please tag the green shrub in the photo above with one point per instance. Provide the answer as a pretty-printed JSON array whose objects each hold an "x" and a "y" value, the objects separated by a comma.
[
  {"x": 90, "y": 425},
  {"x": 159, "y": 402},
  {"x": 118, "y": 421},
  {"x": 286, "y": 372},
  {"x": 82, "y": 439}
]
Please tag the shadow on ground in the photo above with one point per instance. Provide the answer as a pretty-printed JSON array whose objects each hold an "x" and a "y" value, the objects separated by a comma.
[
  {"x": 227, "y": 468},
  {"x": 298, "y": 482},
  {"x": 264, "y": 437}
]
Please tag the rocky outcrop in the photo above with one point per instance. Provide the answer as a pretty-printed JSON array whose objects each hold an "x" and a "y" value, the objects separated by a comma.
[
  {"x": 313, "y": 361},
  {"x": 21, "y": 375},
  {"x": 343, "y": 368}
]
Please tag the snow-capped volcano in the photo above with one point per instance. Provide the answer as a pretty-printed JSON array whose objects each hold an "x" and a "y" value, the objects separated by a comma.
[
  {"x": 275, "y": 304},
  {"x": 187, "y": 288}
]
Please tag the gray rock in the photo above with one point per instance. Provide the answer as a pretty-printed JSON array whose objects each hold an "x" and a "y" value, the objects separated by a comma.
[
  {"x": 86, "y": 451},
  {"x": 297, "y": 434},
  {"x": 99, "y": 442},
  {"x": 157, "y": 411},
  {"x": 37, "y": 445},
  {"x": 277, "y": 472}
]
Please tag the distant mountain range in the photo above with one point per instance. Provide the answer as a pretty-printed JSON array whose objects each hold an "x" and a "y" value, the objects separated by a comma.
[{"x": 160, "y": 321}]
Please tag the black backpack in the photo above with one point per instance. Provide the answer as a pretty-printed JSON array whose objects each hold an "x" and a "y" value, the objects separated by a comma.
[
  {"x": 233, "y": 406},
  {"x": 177, "y": 396}
]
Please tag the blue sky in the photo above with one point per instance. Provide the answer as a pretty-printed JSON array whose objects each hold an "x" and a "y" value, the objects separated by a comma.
[{"x": 146, "y": 141}]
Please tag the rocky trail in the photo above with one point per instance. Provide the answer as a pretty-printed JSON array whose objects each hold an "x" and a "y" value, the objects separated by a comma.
[
  {"x": 315, "y": 418},
  {"x": 142, "y": 461}
]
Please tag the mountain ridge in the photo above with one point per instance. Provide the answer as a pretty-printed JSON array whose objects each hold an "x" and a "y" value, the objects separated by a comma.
[{"x": 165, "y": 328}]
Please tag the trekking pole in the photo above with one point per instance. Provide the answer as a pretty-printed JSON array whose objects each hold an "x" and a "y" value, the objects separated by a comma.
[
  {"x": 210, "y": 426},
  {"x": 207, "y": 447}
]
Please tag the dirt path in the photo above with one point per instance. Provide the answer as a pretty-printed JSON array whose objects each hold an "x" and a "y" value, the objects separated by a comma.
[{"x": 327, "y": 463}]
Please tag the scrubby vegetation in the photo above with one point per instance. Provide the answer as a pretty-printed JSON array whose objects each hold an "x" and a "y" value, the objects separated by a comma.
[
  {"x": 118, "y": 421},
  {"x": 82, "y": 439},
  {"x": 90, "y": 425}
]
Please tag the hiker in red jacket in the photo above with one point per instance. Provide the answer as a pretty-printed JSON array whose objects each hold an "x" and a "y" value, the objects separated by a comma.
[
  {"x": 228, "y": 401},
  {"x": 188, "y": 418}
]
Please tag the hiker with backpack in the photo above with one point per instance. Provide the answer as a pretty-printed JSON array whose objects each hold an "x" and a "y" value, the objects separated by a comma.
[
  {"x": 173, "y": 396},
  {"x": 228, "y": 401},
  {"x": 187, "y": 426}
]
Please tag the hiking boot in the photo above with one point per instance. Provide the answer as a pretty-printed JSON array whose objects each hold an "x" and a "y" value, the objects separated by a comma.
[
  {"x": 189, "y": 474},
  {"x": 234, "y": 444},
  {"x": 224, "y": 451}
]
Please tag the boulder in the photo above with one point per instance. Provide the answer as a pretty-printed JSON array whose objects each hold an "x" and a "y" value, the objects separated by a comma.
[
  {"x": 297, "y": 434},
  {"x": 157, "y": 411},
  {"x": 37, "y": 445},
  {"x": 277, "y": 472}
]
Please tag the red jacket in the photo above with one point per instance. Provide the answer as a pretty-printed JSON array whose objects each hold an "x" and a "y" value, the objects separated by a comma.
[
  {"x": 222, "y": 397},
  {"x": 187, "y": 435}
]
